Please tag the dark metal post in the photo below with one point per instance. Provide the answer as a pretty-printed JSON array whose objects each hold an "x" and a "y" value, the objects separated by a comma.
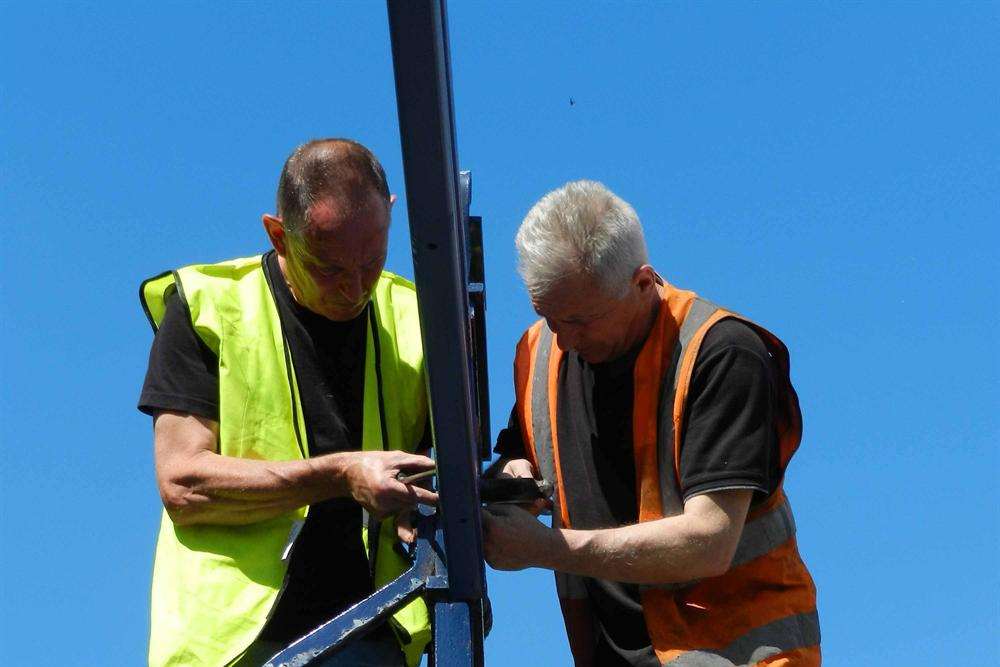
[
  {"x": 423, "y": 94},
  {"x": 437, "y": 213},
  {"x": 448, "y": 264}
]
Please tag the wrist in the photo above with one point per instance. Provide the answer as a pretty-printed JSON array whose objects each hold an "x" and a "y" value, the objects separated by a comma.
[
  {"x": 337, "y": 472},
  {"x": 555, "y": 551},
  {"x": 570, "y": 549}
]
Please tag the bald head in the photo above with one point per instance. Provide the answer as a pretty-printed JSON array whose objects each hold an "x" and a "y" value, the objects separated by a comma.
[
  {"x": 332, "y": 228},
  {"x": 329, "y": 170}
]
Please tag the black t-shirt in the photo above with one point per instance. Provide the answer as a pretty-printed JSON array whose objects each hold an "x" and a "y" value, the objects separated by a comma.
[
  {"x": 728, "y": 442},
  {"x": 328, "y": 570}
]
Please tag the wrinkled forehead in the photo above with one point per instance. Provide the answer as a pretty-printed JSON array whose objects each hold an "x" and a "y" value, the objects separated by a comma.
[
  {"x": 338, "y": 230},
  {"x": 574, "y": 296}
]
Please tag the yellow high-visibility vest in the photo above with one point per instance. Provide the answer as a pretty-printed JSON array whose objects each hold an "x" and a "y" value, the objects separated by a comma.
[{"x": 214, "y": 586}]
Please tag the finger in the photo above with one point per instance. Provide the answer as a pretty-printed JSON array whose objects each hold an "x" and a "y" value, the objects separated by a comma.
[
  {"x": 412, "y": 494},
  {"x": 415, "y": 477},
  {"x": 519, "y": 468},
  {"x": 414, "y": 463},
  {"x": 522, "y": 469},
  {"x": 405, "y": 532}
]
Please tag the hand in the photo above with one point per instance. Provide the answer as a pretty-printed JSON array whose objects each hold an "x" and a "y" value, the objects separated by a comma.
[
  {"x": 517, "y": 468},
  {"x": 513, "y": 539},
  {"x": 522, "y": 468},
  {"x": 405, "y": 530},
  {"x": 372, "y": 480}
]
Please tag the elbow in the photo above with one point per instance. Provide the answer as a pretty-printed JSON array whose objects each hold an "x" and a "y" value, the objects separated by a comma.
[
  {"x": 178, "y": 505},
  {"x": 714, "y": 565},
  {"x": 182, "y": 503},
  {"x": 716, "y": 557}
]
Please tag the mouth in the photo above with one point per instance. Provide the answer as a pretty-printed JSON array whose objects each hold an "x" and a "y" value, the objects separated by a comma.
[{"x": 346, "y": 307}]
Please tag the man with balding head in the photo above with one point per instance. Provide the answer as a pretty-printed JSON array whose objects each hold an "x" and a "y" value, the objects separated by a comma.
[
  {"x": 666, "y": 424},
  {"x": 287, "y": 392}
]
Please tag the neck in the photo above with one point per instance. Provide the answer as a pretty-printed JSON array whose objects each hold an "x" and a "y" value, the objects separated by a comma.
[{"x": 284, "y": 275}]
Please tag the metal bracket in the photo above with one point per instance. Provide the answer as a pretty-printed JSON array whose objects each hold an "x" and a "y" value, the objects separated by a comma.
[{"x": 427, "y": 572}]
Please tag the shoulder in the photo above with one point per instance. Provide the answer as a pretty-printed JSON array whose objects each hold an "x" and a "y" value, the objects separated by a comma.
[
  {"x": 234, "y": 290},
  {"x": 231, "y": 279},
  {"x": 734, "y": 350},
  {"x": 227, "y": 270},
  {"x": 397, "y": 286},
  {"x": 531, "y": 335},
  {"x": 732, "y": 334},
  {"x": 396, "y": 298}
]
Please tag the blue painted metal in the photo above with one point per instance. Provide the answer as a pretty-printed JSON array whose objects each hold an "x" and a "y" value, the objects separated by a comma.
[
  {"x": 448, "y": 266},
  {"x": 418, "y": 30},
  {"x": 356, "y": 621},
  {"x": 470, "y": 232},
  {"x": 447, "y": 257},
  {"x": 453, "y": 635}
]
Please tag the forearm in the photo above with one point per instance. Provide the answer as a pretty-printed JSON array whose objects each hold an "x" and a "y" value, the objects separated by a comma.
[
  {"x": 697, "y": 544},
  {"x": 225, "y": 490},
  {"x": 656, "y": 552}
]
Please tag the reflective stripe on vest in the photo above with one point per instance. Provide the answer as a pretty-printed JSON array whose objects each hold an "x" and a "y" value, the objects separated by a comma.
[
  {"x": 800, "y": 631},
  {"x": 764, "y": 605},
  {"x": 215, "y": 586},
  {"x": 760, "y": 535},
  {"x": 541, "y": 425}
]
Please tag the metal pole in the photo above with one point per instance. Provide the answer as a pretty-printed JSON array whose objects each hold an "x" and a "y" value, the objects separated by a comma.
[{"x": 421, "y": 63}]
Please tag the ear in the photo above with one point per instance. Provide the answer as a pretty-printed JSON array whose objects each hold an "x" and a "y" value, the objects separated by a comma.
[
  {"x": 392, "y": 200},
  {"x": 276, "y": 232},
  {"x": 645, "y": 278}
]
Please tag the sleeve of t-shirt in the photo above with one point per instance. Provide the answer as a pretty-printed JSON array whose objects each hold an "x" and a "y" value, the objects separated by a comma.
[
  {"x": 183, "y": 372},
  {"x": 729, "y": 440},
  {"x": 510, "y": 444}
]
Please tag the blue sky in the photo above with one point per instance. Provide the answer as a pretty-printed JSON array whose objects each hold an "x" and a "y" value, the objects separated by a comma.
[{"x": 829, "y": 170}]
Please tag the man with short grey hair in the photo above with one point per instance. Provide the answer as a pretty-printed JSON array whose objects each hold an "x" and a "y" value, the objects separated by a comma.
[{"x": 666, "y": 424}]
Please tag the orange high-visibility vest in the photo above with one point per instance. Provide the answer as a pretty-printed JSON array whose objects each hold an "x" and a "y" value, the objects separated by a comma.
[{"x": 762, "y": 611}]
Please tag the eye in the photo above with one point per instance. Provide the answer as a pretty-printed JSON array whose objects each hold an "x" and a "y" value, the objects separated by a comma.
[{"x": 327, "y": 271}]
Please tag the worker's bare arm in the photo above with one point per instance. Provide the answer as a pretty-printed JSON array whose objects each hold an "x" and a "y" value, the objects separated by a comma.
[
  {"x": 699, "y": 543},
  {"x": 198, "y": 485}
]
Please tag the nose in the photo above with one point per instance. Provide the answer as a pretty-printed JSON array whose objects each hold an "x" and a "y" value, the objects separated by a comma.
[
  {"x": 351, "y": 288},
  {"x": 566, "y": 336}
]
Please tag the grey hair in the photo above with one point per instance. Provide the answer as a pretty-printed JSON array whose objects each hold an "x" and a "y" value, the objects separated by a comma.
[{"x": 582, "y": 227}]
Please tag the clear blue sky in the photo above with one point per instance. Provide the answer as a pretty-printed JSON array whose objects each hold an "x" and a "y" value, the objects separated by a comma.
[{"x": 829, "y": 170}]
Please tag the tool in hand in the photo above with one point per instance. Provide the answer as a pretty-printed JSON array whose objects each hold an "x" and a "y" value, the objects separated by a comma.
[
  {"x": 416, "y": 477},
  {"x": 513, "y": 490},
  {"x": 498, "y": 490}
]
